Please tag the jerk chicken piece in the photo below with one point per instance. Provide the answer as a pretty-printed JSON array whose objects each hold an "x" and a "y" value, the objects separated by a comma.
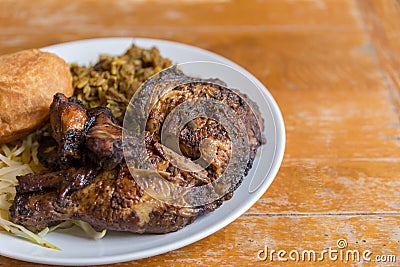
[
  {"x": 64, "y": 181},
  {"x": 104, "y": 192},
  {"x": 68, "y": 120},
  {"x": 112, "y": 200},
  {"x": 80, "y": 136},
  {"x": 104, "y": 138}
]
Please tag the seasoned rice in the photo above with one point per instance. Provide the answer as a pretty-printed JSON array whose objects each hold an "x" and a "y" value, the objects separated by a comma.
[{"x": 113, "y": 80}]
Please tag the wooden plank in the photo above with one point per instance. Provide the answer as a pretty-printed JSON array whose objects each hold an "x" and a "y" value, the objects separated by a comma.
[
  {"x": 334, "y": 100},
  {"x": 348, "y": 187},
  {"x": 232, "y": 246},
  {"x": 182, "y": 14},
  {"x": 381, "y": 20},
  {"x": 235, "y": 246},
  {"x": 24, "y": 25}
]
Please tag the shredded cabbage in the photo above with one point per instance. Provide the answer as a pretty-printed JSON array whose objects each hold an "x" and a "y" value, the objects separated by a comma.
[
  {"x": 21, "y": 231},
  {"x": 86, "y": 227},
  {"x": 20, "y": 159},
  {"x": 12, "y": 164}
]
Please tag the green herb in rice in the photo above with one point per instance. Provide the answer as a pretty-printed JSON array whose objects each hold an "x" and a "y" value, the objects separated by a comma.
[{"x": 113, "y": 80}]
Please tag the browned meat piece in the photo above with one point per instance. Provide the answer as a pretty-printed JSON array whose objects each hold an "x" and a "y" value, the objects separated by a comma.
[
  {"x": 68, "y": 120},
  {"x": 104, "y": 138},
  {"x": 64, "y": 181},
  {"x": 48, "y": 153},
  {"x": 201, "y": 128},
  {"x": 111, "y": 198},
  {"x": 96, "y": 134}
]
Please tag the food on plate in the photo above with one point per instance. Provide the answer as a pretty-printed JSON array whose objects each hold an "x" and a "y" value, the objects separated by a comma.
[
  {"x": 91, "y": 181},
  {"x": 73, "y": 170},
  {"x": 17, "y": 159},
  {"x": 109, "y": 82},
  {"x": 113, "y": 80},
  {"x": 28, "y": 81}
]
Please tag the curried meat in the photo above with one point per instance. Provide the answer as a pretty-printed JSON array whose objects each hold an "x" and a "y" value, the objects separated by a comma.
[{"x": 100, "y": 189}]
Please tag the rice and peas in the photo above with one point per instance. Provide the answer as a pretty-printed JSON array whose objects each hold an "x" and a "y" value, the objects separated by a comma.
[{"x": 111, "y": 82}]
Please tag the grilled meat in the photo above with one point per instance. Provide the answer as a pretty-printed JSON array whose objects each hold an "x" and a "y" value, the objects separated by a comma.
[
  {"x": 103, "y": 191},
  {"x": 68, "y": 119},
  {"x": 104, "y": 138},
  {"x": 48, "y": 153},
  {"x": 112, "y": 200},
  {"x": 200, "y": 129},
  {"x": 64, "y": 181},
  {"x": 80, "y": 136}
]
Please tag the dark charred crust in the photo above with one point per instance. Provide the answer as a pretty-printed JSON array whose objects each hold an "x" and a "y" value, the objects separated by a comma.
[
  {"x": 35, "y": 211},
  {"x": 94, "y": 112},
  {"x": 48, "y": 153},
  {"x": 37, "y": 182},
  {"x": 68, "y": 119},
  {"x": 75, "y": 180},
  {"x": 104, "y": 138},
  {"x": 70, "y": 148}
]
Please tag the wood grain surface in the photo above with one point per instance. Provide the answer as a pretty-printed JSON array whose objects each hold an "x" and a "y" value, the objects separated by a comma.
[{"x": 333, "y": 66}]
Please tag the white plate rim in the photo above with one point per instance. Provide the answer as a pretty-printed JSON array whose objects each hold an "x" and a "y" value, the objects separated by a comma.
[{"x": 279, "y": 152}]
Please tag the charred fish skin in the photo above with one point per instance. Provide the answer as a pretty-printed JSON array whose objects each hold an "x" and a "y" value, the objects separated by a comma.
[{"x": 92, "y": 182}]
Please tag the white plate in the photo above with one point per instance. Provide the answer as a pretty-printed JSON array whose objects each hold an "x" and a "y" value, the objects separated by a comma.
[{"x": 119, "y": 247}]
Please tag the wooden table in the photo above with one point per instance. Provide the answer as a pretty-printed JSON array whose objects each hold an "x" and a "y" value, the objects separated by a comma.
[{"x": 334, "y": 69}]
